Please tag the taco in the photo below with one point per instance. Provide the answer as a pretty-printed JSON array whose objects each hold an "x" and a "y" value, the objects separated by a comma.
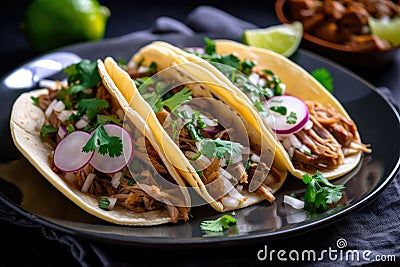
[
  {"x": 86, "y": 141},
  {"x": 207, "y": 132},
  {"x": 312, "y": 129}
]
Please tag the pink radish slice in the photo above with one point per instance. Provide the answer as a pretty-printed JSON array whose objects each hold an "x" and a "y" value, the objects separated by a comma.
[
  {"x": 293, "y": 104},
  {"x": 107, "y": 164},
  {"x": 68, "y": 155}
]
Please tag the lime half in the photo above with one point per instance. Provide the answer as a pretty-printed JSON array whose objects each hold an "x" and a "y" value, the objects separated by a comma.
[
  {"x": 283, "y": 39},
  {"x": 387, "y": 29}
]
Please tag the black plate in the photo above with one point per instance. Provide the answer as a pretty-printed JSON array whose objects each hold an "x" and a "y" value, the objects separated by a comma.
[{"x": 23, "y": 189}]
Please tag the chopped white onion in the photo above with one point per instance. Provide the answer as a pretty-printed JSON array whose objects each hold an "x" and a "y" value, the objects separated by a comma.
[
  {"x": 88, "y": 182},
  {"x": 143, "y": 69},
  {"x": 112, "y": 201},
  {"x": 81, "y": 124},
  {"x": 230, "y": 202},
  {"x": 262, "y": 82},
  {"x": 59, "y": 106},
  {"x": 50, "y": 108},
  {"x": 86, "y": 118},
  {"x": 208, "y": 121},
  {"x": 294, "y": 202},
  {"x": 254, "y": 78},
  {"x": 255, "y": 158},
  {"x": 70, "y": 177},
  {"x": 295, "y": 142},
  {"x": 64, "y": 115},
  {"x": 115, "y": 181},
  {"x": 309, "y": 125},
  {"x": 62, "y": 131}
]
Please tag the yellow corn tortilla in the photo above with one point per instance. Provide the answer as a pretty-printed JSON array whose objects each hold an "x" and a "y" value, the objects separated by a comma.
[
  {"x": 298, "y": 83},
  {"x": 187, "y": 72},
  {"x": 25, "y": 124}
]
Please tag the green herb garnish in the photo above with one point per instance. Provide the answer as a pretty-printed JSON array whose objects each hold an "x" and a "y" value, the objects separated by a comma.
[
  {"x": 279, "y": 109},
  {"x": 218, "y": 148},
  {"x": 292, "y": 118},
  {"x": 82, "y": 75},
  {"x": 103, "y": 119},
  {"x": 91, "y": 107},
  {"x": 35, "y": 101},
  {"x": 323, "y": 76},
  {"x": 218, "y": 225},
  {"x": 104, "y": 203},
  {"x": 320, "y": 193},
  {"x": 47, "y": 129},
  {"x": 111, "y": 145},
  {"x": 70, "y": 128}
]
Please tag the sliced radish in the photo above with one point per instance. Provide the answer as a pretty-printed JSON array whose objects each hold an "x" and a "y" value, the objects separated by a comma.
[
  {"x": 279, "y": 123},
  {"x": 68, "y": 155},
  {"x": 107, "y": 164}
]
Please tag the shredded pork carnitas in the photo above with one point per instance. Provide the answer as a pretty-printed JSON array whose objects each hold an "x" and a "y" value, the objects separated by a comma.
[
  {"x": 331, "y": 138},
  {"x": 128, "y": 192}
]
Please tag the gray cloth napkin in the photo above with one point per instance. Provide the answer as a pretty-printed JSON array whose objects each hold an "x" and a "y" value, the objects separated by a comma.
[{"x": 374, "y": 228}]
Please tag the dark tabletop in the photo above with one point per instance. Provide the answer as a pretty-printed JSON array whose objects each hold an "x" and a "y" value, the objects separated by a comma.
[{"x": 26, "y": 244}]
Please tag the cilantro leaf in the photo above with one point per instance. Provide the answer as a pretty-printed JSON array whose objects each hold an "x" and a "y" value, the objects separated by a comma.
[
  {"x": 104, "y": 203},
  {"x": 47, "y": 129},
  {"x": 279, "y": 109},
  {"x": 218, "y": 148},
  {"x": 91, "y": 106},
  {"x": 320, "y": 193},
  {"x": 103, "y": 119},
  {"x": 209, "y": 47},
  {"x": 177, "y": 99},
  {"x": 82, "y": 75},
  {"x": 35, "y": 101},
  {"x": 157, "y": 103},
  {"x": 218, "y": 225},
  {"x": 111, "y": 145},
  {"x": 323, "y": 76},
  {"x": 292, "y": 118}
]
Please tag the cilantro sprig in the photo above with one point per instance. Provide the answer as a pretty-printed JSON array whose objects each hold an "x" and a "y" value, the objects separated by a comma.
[
  {"x": 111, "y": 145},
  {"x": 323, "y": 76},
  {"x": 82, "y": 75},
  {"x": 157, "y": 103},
  {"x": 211, "y": 148},
  {"x": 217, "y": 148},
  {"x": 91, "y": 107},
  {"x": 218, "y": 225},
  {"x": 320, "y": 193}
]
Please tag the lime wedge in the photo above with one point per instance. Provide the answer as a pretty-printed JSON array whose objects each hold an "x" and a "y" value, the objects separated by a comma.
[
  {"x": 387, "y": 29},
  {"x": 283, "y": 39}
]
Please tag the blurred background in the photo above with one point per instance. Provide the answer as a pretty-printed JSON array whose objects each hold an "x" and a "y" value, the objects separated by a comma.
[{"x": 125, "y": 17}]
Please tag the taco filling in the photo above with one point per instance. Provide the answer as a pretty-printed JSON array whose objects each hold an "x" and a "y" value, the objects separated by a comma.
[
  {"x": 210, "y": 141},
  {"x": 315, "y": 135},
  {"x": 113, "y": 164}
]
